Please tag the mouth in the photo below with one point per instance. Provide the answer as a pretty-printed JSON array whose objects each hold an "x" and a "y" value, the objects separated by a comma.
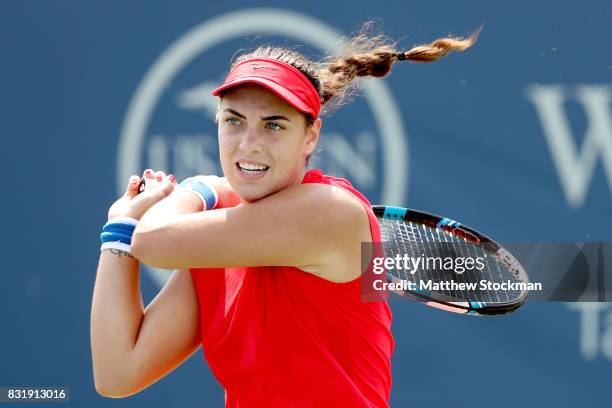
[{"x": 252, "y": 169}]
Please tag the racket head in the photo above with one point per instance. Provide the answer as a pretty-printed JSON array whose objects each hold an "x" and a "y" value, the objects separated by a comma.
[{"x": 418, "y": 233}]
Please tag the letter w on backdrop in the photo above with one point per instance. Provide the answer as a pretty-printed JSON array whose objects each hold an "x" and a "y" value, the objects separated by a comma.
[{"x": 575, "y": 164}]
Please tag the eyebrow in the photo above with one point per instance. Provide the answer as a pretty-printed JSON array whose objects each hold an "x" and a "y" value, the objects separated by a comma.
[{"x": 273, "y": 117}]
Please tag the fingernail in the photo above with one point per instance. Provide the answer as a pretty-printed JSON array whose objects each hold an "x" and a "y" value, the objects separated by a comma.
[
  {"x": 171, "y": 177},
  {"x": 159, "y": 177},
  {"x": 133, "y": 180},
  {"x": 149, "y": 173}
]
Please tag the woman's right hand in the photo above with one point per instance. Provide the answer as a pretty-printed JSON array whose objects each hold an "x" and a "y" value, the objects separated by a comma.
[{"x": 134, "y": 205}]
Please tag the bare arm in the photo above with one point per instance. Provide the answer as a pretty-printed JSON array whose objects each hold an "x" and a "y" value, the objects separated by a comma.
[
  {"x": 116, "y": 316},
  {"x": 310, "y": 226},
  {"x": 134, "y": 350},
  {"x": 133, "y": 347}
]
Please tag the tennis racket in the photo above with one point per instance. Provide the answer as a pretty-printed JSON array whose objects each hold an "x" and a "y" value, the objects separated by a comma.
[{"x": 430, "y": 237}]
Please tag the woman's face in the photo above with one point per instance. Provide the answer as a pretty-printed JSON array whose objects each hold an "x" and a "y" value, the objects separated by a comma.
[{"x": 263, "y": 141}]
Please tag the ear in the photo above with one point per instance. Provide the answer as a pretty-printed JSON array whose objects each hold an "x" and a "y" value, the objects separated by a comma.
[{"x": 312, "y": 136}]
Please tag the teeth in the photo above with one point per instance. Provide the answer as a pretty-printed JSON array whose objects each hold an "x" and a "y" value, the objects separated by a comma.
[{"x": 252, "y": 167}]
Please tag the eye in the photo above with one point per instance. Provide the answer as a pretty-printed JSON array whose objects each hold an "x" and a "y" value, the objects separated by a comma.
[
  {"x": 274, "y": 126},
  {"x": 232, "y": 121}
]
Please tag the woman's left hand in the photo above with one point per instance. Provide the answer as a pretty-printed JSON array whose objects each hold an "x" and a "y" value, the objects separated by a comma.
[{"x": 134, "y": 204}]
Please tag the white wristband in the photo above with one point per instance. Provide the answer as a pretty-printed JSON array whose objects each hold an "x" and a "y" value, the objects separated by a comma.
[{"x": 116, "y": 245}]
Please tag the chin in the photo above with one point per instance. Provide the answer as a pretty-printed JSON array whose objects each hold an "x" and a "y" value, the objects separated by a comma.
[{"x": 251, "y": 193}]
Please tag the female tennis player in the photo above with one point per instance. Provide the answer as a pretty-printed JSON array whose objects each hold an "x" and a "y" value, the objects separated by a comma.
[{"x": 267, "y": 258}]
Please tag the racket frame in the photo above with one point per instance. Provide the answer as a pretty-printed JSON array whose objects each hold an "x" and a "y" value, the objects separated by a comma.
[{"x": 462, "y": 231}]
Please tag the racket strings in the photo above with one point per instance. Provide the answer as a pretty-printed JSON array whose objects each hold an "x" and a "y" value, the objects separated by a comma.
[{"x": 420, "y": 241}]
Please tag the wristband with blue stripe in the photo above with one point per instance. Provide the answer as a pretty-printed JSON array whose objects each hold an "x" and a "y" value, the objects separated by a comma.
[
  {"x": 120, "y": 228},
  {"x": 203, "y": 190},
  {"x": 117, "y": 234}
]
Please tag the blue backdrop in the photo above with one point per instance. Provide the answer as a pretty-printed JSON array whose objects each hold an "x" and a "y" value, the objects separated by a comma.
[{"x": 512, "y": 137}]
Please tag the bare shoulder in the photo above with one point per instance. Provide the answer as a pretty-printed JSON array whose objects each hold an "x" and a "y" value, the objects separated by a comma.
[
  {"x": 328, "y": 202},
  {"x": 343, "y": 216}
]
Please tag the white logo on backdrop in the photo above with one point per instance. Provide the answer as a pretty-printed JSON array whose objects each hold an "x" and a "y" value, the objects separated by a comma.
[
  {"x": 193, "y": 152},
  {"x": 595, "y": 329},
  {"x": 575, "y": 164}
]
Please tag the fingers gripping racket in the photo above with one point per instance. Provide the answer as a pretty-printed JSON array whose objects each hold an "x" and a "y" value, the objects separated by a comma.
[{"x": 419, "y": 234}]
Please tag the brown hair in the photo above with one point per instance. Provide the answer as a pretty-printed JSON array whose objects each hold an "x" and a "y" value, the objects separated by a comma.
[{"x": 364, "y": 55}]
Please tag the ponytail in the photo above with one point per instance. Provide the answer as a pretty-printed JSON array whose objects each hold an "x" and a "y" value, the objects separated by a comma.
[{"x": 365, "y": 54}]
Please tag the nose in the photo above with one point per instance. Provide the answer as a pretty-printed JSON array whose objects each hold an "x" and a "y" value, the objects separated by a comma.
[{"x": 251, "y": 141}]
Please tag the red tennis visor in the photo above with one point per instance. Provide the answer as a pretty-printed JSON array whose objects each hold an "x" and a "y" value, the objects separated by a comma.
[{"x": 282, "y": 78}]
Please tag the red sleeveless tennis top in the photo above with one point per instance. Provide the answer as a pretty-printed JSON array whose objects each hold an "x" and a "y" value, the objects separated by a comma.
[{"x": 279, "y": 337}]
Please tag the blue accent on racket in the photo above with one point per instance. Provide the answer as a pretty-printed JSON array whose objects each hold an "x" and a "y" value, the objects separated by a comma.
[
  {"x": 395, "y": 212},
  {"x": 475, "y": 305}
]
